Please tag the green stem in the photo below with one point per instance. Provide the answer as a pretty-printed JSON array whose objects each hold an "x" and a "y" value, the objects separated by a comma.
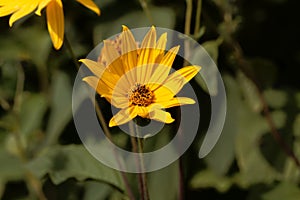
[
  {"x": 69, "y": 47},
  {"x": 135, "y": 150},
  {"x": 188, "y": 17},
  {"x": 187, "y": 29},
  {"x": 146, "y": 9},
  {"x": 198, "y": 17},
  {"x": 142, "y": 164},
  {"x": 137, "y": 147}
]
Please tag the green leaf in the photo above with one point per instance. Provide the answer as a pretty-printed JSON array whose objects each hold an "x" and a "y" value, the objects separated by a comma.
[
  {"x": 250, "y": 92},
  {"x": 224, "y": 152},
  {"x": 279, "y": 117},
  {"x": 251, "y": 126},
  {"x": 96, "y": 190},
  {"x": 208, "y": 71},
  {"x": 291, "y": 170},
  {"x": 212, "y": 48},
  {"x": 27, "y": 43},
  {"x": 8, "y": 78},
  {"x": 118, "y": 196},
  {"x": 275, "y": 98},
  {"x": 11, "y": 169},
  {"x": 36, "y": 42},
  {"x": 164, "y": 183},
  {"x": 209, "y": 179},
  {"x": 32, "y": 111},
  {"x": 296, "y": 126},
  {"x": 73, "y": 161},
  {"x": 265, "y": 71},
  {"x": 253, "y": 167},
  {"x": 297, "y": 97},
  {"x": 285, "y": 191},
  {"x": 61, "y": 106}
]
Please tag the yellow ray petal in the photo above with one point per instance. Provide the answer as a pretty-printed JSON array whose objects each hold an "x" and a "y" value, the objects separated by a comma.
[
  {"x": 177, "y": 101},
  {"x": 178, "y": 79},
  {"x": 41, "y": 6},
  {"x": 148, "y": 44},
  {"x": 25, "y": 10},
  {"x": 119, "y": 101},
  {"x": 112, "y": 58},
  {"x": 8, "y": 9},
  {"x": 160, "y": 47},
  {"x": 99, "y": 87},
  {"x": 90, "y": 5},
  {"x": 123, "y": 116},
  {"x": 93, "y": 81},
  {"x": 147, "y": 54},
  {"x": 128, "y": 49},
  {"x": 159, "y": 75},
  {"x": 55, "y": 22},
  {"x": 161, "y": 72},
  {"x": 161, "y": 116},
  {"x": 162, "y": 93},
  {"x": 95, "y": 67},
  {"x": 142, "y": 111},
  {"x": 169, "y": 58}
]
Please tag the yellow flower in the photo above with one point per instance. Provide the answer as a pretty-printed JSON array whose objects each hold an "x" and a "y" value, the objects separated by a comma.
[
  {"x": 136, "y": 79},
  {"x": 54, "y": 11}
]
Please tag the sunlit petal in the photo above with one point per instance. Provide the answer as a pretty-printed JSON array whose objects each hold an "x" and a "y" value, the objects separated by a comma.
[
  {"x": 112, "y": 58},
  {"x": 148, "y": 45},
  {"x": 177, "y": 101},
  {"x": 93, "y": 81},
  {"x": 95, "y": 67},
  {"x": 160, "y": 47},
  {"x": 163, "y": 93},
  {"x": 169, "y": 58},
  {"x": 41, "y": 6},
  {"x": 179, "y": 78},
  {"x": 90, "y": 5},
  {"x": 128, "y": 49},
  {"x": 161, "y": 116},
  {"x": 26, "y": 9},
  {"x": 55, "y": 22},
  {"x": 123, "y": 116},
  {"x": 8, "y": 9}
]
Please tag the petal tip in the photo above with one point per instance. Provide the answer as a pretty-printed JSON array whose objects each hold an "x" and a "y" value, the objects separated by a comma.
[
  {"x": 125, "y": 28},
  {"x": 198, "y": 68},
  {"x": 111, "y": 123},
  {"x": 82, "y": 60},
  {"x": 98, "y": 11},
  {"x": 38, "y": 12},
  {"x": 11, "y": 22}
]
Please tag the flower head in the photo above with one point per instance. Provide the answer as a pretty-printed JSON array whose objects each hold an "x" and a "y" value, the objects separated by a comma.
[
  {"x": 136, "y": 79},
  {"x": 54, "y": 12}
]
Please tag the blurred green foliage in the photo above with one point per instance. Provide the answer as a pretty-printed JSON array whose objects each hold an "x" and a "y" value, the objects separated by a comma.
[{"x": 251, "y": 41}]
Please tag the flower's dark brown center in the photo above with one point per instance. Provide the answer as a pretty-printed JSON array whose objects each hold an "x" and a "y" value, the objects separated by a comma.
[{"x": 140, "y": 95}]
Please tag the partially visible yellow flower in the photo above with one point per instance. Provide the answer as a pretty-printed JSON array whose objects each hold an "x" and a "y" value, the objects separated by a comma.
[
  {"x": 54, "y": 11},
  {"x": 136, "y": 79}
]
